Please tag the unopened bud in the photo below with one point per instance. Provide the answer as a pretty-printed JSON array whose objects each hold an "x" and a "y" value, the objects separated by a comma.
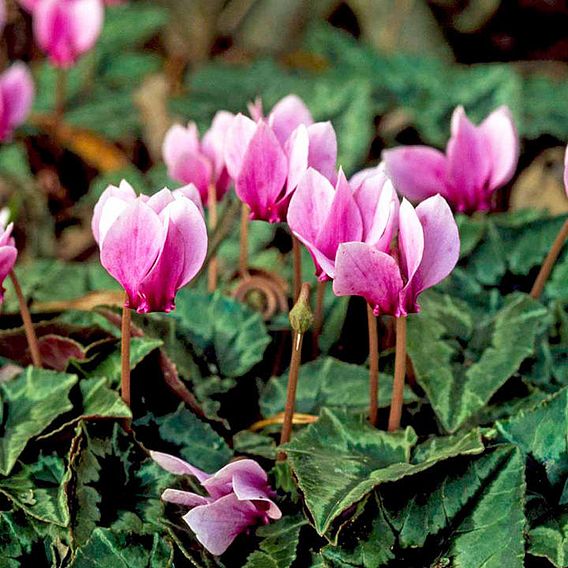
[{"x": 301, "y": 316}]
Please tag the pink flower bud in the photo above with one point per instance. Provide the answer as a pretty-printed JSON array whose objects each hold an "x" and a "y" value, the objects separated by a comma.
[
  {"x": 8, "y": 251},
  {"x": 16, "y": 97}
]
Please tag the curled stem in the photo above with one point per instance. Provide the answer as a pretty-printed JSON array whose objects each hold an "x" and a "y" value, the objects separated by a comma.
[
  {"x": 549, "y": 261},
  {"x": 125, "y": 354},
  {"x": 399, "y": 372},
  {"x": 27, "y": 320},
  {"x": 243, "y": 254},
  {"x": 373, "y": 366},
  {"x": 297, "y": 260},
  {"x": 212, "y": 269}
]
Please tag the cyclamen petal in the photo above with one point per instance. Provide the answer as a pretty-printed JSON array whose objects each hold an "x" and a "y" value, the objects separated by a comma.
[
  {"x": 177, "y": 466},
  {"x": 362, "y": 270},
  {"x": 17, "y": 94},
  {"x": 8, "y": 255},
  {"x": 221, "y": 483},
  {"x": 186, "y": 498},
  {"x": 237, "y": 140},
  {"x": 124, "y": 191},
  {"x": 566, "y": 171},
  {"x": 217, "y": 524},
  {"x": 323, "y": 149},
  {"x": 410, "y": 241},
  {"x": 286, "y": 115}
]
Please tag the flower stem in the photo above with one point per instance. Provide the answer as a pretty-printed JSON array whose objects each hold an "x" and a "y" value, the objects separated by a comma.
[
  {"x": 60, "y": 94},
  {"x": 549, "y": 261},
  {"x": 243, "y": 255},
  {"x": 300, "y": 320},
  {"x": 125, "y": 354},
  {"x": 399, "y": 372},
  {"x": 213, "y": 266},
  {"x": 297, "y": 254},
  {"x": 27, "y": 319},
  {"x": 373, "y": 366},
  {"x": 318, "y": 316}
]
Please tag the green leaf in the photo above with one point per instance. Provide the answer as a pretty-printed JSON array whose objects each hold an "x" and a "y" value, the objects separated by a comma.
[
  {"x": 199, "y": 444},
  {"x": 108, "y": 547},
  {"x": 140, "y": 348},
  {"x": 341, "y": 458},
  {"x": 31, "y": 403},
  {"x": 221, "y": 330},
  {"x": 460, "y": 381},
  {"x": 14, "y": 162},
  {"x": 278, "y": 545},
  {"x": 17, "y": 538},
  {"x": 254, "y": 444},
  {"x": 542, "y": 432},
  {"x": 39, "y": 490},
  {"x": 331, "y": 383},
  {"x": 549, "y": 539}
]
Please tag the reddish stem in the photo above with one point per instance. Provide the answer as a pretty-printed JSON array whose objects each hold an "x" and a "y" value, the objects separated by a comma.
[
  {"x": 373, "y": 366},
  {"x": 27, "y": 320},
  {"x": 399, "y": 372}
]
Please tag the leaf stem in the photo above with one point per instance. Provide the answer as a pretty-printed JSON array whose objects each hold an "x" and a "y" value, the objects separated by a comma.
[
  {"x": 27, "y": 320},
  {"x": 125, "y": 353},
  {"x": 60, "y": 94},
  {"x": 297, "y": 260},
  {"x": 373, "y": 366},
  {"x": 399, "y": 372},
  {"x": 549, "y": 261},
  {"x": 243, "y": 254},
  {"x": 212, "y": 269}
]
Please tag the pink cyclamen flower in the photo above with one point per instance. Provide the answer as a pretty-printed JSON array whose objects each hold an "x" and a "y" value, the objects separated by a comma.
[
  {"x": 321, "y": 217},
  {"x": 152, "y": 246},
  {"x": 478, "y": 161},
  {"x": 427, "y": 250},
  {"x": 268, "y": 158},
  {"x": 65, "y": 29},
  {"x": 16, "y": 98},
  {"x": 202, "y": 163},
  {"x": 8, "y": 250},
  {"x": 238, "y": 497}
]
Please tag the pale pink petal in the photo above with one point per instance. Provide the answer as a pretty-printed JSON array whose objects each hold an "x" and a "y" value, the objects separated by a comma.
[
  {"x": 213, "y": 143},
  {"x": 237, "y": 140},
  {"x": 502, "y": 146},
  {"x": 343, "y": 222},
  {"x": 6, "y": 236},
  {"x": 160, "y": 200},
  {"x": 323, "y": 149},
  {"x": 221, "y": 483},
  {"x": 185, "y": 498},
  {"x": 195, "y": 169},
  {"x": 17, "y": 89},
  {"x": 181, "y": 256},
  {"x": 29, "y": 5},
  {"x": 469, "y": 163},
  {"x": 255, "y": 109},
  {"x": 52, "y": 25},
  {"x": 441, "y": 243},
  {"x": 566, "y": 171},
  {"x": 249, "y": 486},
  {"x": 297, "y": 150},
  {"x": 263, "y": 174},
  {"x": 357, "y": 179},
  {"x": 112, "y": 209},
  {"x": 178, "y": 142},
  {"x": 190, "y": 192},
  {"x": 417, "y": 172},
  {"x": 177, "y": 466},
  {"x": 410, "y": 241},
  {"x": 124, "y": 191},
  {"x": 362, "y": 270},
  {"x": 217, "y": 524},
  {"x": 287, "y": 114},
  {"x": 131, "y": 247},
  {"x": 87, "y": 23}
]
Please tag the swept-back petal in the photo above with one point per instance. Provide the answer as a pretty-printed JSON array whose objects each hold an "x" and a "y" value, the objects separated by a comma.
[
  {"x": 410, "y": 241},
  {"x": 131, "y": 246},
  {"x": 160, "y": 200},
  {"x": 343, "y": 222},
  {"x": 191, "y": 192},
  {"x": 441, "y": 243},
  {"x": 124, "y": 191},
  {"x": 566, "y": 171},
  {"x": 323, "y": 149},
  {"x": 249, "y": 486},
  {"x": 178, "y": 466},
  {"x": 217, "y": 524},
  {"x": 469, "y": 163},
  {"x": 178, "y": 142},
  {"x": 297, "y": 151},
  {"x": 502, "y": 146},
  {"x": 362, "y": 270},
  {"x": 185, "y": 498},
  {"x": 180, "y": 258},
  {"x": 417, "y": 172},
  {"x": 356, "y": 180},
  {"x": 286, "y": 115},
  {"x": 221, "y": 483},
  {"x": 8, "y": 255},
  {"x": 238, "y": 137},
  {"x": 263, "y": 174},
  {"x": 213, "y": 143},
  {"x": 87, "y": 22}
]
